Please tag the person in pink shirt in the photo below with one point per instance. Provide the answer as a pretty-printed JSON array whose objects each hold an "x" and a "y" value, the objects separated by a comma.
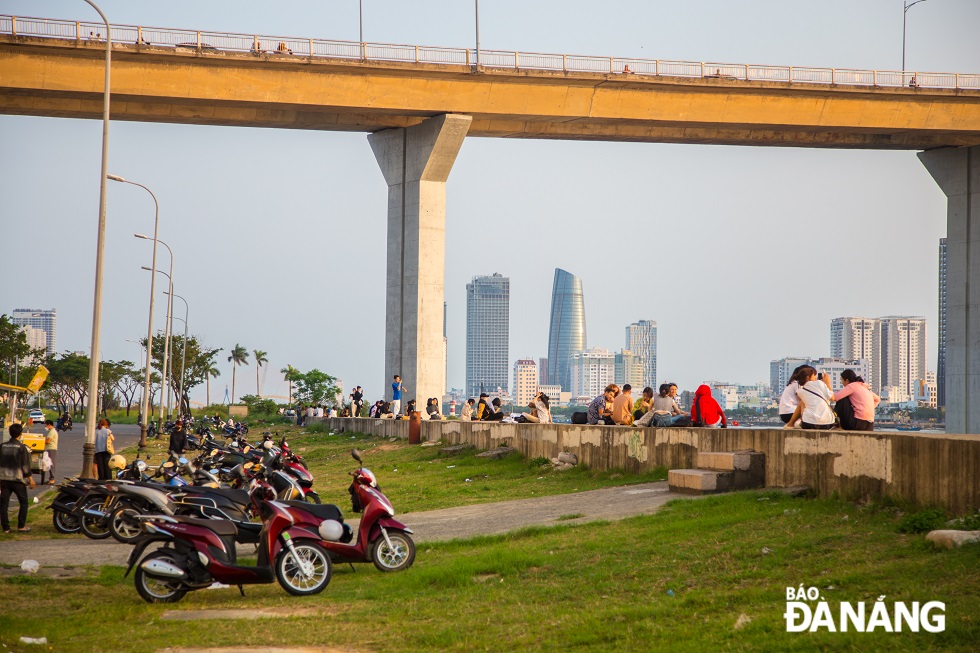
[{"x": 862, "y": 400}]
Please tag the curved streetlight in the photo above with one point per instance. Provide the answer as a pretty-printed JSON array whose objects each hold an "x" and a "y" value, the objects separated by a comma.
[
  {"x": 183, "y": 355},
  {"x": 145, "y": 409},
  {"x": 166, "y": 333},
  {"x": 904, "y": 15},
  {"x": 88, "y": 449}
]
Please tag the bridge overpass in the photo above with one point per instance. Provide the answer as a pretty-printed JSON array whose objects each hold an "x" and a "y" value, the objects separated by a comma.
[{"x": 418, "y": 104}]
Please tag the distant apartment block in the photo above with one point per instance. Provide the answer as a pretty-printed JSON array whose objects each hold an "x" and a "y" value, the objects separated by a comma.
[
  {"x": 629, "y": 368},
  {"x": 592, "y": 370},
  {"x": 36, "y": 338},
  {"x": 487, "y": 334},
  {"x": 44, "y": 319},
  {"x": 641, "y": 340},
  {"x": 525, "y": 381},
  {"x": 903, "y": 352},
  {"x": 543, "y": 371},
  {"x": 853, "y": 338},
  {"x": 781, "y": 370}
]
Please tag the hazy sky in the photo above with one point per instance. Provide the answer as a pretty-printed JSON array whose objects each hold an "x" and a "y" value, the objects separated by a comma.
[{"x": 279, "y": 235}]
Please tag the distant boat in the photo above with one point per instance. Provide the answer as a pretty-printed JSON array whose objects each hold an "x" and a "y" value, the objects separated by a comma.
[{"x": 906, "y": 427}]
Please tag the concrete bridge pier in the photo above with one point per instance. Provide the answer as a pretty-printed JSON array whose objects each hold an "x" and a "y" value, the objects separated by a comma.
[
  {"x": 416, "y": 162},
  {"x": 957, "y": 171}
]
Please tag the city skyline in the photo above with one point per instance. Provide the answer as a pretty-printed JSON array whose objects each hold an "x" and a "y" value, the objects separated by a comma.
[
  {"x": 226, "y": 222},
  {"x": 487, "y": 334}
]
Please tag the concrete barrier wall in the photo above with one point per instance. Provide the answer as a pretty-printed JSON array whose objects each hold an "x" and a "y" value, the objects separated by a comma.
[{"x": 928, "y": 469}]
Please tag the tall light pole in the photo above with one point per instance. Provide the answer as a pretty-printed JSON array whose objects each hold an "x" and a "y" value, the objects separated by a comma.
[
  {"x": 149, "y": 327},
  {"x": 904, "y": 15},
  {"x": 88, "y": 449},
  {"x": 360, "y": 24},
  {"x": 183, "y": 355},
  {"x": 477, "y": 33},
  {"x": 166, "y": 333}
]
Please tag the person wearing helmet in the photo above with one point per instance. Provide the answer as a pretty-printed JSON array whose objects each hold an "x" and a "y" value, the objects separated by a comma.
[{"x": 178, "y": 439}]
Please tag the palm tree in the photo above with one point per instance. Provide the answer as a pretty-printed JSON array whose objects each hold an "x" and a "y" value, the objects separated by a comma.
[
  {"x": 290, "y": 372},
  {"x": 259, "y": 359},
  {"x": 239, "y": 356},
  {"x": 210, "y": 370}
]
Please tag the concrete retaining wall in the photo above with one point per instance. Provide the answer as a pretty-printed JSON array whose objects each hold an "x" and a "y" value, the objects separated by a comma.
[{"x": 924, "y": 468}]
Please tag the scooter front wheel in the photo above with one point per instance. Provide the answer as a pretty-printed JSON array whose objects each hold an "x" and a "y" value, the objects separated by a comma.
[
  {"x": 96, "y": 528},
  {"x": 305, "y": 569},
  {"x": 123, "y": 524},
  {"x": 397, "y": 557},
  {"x": 65, "y": 522},
  {"x": 312, "y": 497}
]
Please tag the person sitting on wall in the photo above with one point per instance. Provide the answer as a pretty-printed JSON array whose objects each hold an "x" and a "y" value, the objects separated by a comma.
[
  {"x": 600, "y": 410},
  {"x": 622, "y": 408},
  {"x": 861, "y": 416},
  {"x": 483, "y": 408},
  {"x": 497, "y": 413},
  {"x": 664, "y": 411},
  {"x": 467, "y": 413},
  {"x": 643, "y": 404},
  {"x": 705, "y": 411},
  {"x": 540, "y": 407}
]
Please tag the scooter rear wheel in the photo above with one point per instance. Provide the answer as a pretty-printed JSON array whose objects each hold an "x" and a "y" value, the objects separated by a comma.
[
  {"x": 305, "y": 569},
  {"x": 96, "y": 528},
  {"x": 397, "y": 557},
  {"x": 158, "y": 590},
  {"x": 123, "y": 524}
]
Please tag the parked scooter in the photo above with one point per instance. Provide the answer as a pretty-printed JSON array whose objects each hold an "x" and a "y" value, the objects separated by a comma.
[
  {"x": 381, "y": 539},
  {"x": 199, "y": 552}
]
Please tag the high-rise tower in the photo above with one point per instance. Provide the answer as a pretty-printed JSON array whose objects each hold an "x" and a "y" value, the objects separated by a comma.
[
  {"x": 641, "y": 340},
  {"x": 903, "y": 352},
  {"x": 567, "y": 334},
  {"x": 487, "y": 333},
  {"x": 853, "y": 338},
  {"x": 44, "y": 319}
]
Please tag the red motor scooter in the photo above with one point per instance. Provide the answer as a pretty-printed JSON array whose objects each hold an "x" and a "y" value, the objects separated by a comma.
[
  {"x": 381, "y": 539},
  {"x": 199, "y": 552}
]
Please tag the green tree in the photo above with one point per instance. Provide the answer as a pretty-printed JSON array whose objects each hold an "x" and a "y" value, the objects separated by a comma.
[
  {"x": 68, "y": 380},
  {"x": 199, "y": 365},
  {"x": 260, "y": 358},
  {"x": 291, "y": 374},
  {"x": 210, "y": 372},
  {"x": 14, "y": 350},
  {"x": 239, "y": 356},
  {"x": 315, "y": 387}
]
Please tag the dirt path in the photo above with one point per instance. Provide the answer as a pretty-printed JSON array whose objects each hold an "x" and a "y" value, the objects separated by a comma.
[{"x": 431, "y": 526}]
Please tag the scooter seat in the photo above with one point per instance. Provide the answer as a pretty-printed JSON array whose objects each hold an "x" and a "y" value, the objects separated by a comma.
[
  {"x": 238, "y": 496},
  {"x": 221, "y": 527},
  {"x": 323, "y": 511}
]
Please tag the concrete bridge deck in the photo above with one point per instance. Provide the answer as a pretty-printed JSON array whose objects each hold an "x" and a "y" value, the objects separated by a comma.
[{"x": 63, "y": 77}]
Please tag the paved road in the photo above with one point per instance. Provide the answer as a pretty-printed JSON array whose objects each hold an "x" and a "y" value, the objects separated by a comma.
[{"x": 435, "y": 525}]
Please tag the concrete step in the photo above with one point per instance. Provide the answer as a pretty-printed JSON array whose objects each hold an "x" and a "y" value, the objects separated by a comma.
[
  {"x": 700, "y": 481},
  {"x": 732, "y": 461}
]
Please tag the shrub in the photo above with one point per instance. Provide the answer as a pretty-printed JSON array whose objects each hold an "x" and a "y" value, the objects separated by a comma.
[{"x": 922, "y": 521}]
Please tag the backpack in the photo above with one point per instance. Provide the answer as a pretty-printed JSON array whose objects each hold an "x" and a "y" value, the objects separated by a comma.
[{"x": 580, "y": 418}]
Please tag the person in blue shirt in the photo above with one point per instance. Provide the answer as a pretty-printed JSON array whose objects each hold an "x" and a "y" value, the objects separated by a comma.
[{"x": 396, "y": 395}]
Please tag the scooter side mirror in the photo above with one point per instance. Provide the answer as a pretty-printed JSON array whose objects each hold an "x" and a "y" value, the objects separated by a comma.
[{"x": 356, "y": 455}]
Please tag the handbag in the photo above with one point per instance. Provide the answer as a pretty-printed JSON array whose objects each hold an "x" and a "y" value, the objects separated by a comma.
[
  {"x": 833, "y": 412},
  {"x": 698, "y": 419},
  {"x": 108, "y": 444}
]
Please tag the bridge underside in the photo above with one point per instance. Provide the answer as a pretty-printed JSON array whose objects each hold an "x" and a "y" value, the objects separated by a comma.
[{"x": 63, "y": 78}]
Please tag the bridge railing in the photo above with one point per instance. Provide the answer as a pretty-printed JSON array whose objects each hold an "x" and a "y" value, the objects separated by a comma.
[{"x": 205, "y": 42}]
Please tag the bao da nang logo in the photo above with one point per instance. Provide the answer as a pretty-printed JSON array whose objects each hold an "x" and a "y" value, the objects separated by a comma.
[{"x": 807, "y": 610}]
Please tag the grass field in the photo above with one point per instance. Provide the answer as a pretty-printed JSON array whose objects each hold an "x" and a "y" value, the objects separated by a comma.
[{"x": 677, "y": 580}]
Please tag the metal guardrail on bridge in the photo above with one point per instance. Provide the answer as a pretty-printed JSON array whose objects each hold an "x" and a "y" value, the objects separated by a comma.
[{"x": 204, "y": 42}]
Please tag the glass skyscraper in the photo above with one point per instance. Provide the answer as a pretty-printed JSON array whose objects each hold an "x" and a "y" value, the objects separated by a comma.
[
  {"x": 641, "y": 340},
  {"x": 487, "y": 334},
  {"x": 567, "y": 334}
]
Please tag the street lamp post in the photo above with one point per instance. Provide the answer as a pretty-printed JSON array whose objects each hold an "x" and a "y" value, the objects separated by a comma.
[
  {"x": 183, "y": 355},
  {"x": 149, "y": 327},
  {"x": 477, "y": 33},
  {"x": 360, "y": 24},
  {"x": 904, "y": 15},
  {"x": 166, "y": 333},
  {"x": 88, "y": 449}
]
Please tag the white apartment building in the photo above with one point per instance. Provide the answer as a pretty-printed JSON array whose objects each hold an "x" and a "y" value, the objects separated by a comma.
[
  {"x": 834, "y": 367},
  {"x": 858, "y": 338},
  {"x": 525, "y": 381},
  {"x": 903, "y": 352},
  {"x": 781, "y": 370},
  {"x": 726, "y": 395},
  {"x": 592, "y": 370},
  {"x": 36, "y": 338}
]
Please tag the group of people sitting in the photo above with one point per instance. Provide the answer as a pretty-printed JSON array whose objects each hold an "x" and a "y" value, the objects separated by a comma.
[
  {"x": 807, "y": 400},
  {"x": 485, "y": 410},
  {"x": 615, "y": 406}
]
